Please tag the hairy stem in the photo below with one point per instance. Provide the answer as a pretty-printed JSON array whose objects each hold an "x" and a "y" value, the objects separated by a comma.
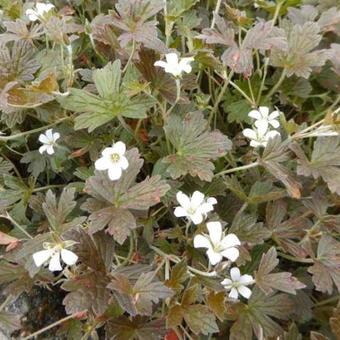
[{"x": 239, "y": 168}]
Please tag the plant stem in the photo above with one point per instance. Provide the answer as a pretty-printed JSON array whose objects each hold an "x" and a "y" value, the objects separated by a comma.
[
  {"x": 295, "y": 259},
  {"x": 131, "y": 55},
  {"x": 16, "y": 224},
  {"x": 131, "y": 249},
  {"x": 215, "y": 13},
  {"x": 175, "y": 259},
  {"x": 277, "y": 12},
  {"x": 30, "y": 132},
  {"x": 236, "y": 87},
  {"x": 48, "y": 187},
  {"x": 277, "y": 85},
  {"x": 327, "y": 301},
  {"x": 220, "y": 96},
  {"x": 239, "y": 168},
  {"x": 52, "y": 325},
  {"x": 265, "y": 69}
]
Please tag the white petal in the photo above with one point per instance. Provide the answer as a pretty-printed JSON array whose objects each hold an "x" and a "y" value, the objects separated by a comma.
[
  {"x": 43, "y": 139},
  {"x": 171, "y": 58},
  {"x": 205, "y": 208},
  {"x": 49, "y": 134},
  {"x": 185, "y": 64},
  {"x": 102, "y": 163},
  {"x": 42, "y": 256},
  {"x": 262, "y": 126},
  {"x": 231, "y": 254},
  {"x": 230, "y": 240},
  {"x": 107, "y": 152},
  {"x": 55, "y": 263},
  {"x": 197, "y": 199},
  {"x": 123, "y": 162},
  {"x": 69, "y": 257},
  {"x": 50, "y": 149},
  {"x": 227, "y": 283},
  {"x": 180, "y": 212},
  {"x": 244, "y": 291},
  {"x": 233, "y": 294},
  {"x": 196, "y": 218},
  {"x": 274, "y": 114},
  {"x": 274, "y": 123},
  {"x": 214, "y": 257},
  {"x": 255, "y": 144},
  {"x": 249, "y": 133},
  {"x": 254, "y": 114},
  {"x": 271, "y": 134},
  {"x": 183, "y": 200},
  {"x": 246, "y": 279},
  {"x": 43, "y": 148},
  {"x": 119, "y": 148},
  {"x": 235, "y": 274},
  {"x": 56, "y": 136},
  {"x": 264, "y": 110},
  {"x": 201, "y": 241},
  {"x": 160, "y": 63},
  {"x": 215, "y": 232},
  {"x": 115, "y": 172},
  {"x": 212, "y": 200},
  {"x": 31, "y": 14}
]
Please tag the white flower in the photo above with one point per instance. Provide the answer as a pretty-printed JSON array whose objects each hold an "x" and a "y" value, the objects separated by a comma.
[
  {"x": 218, "y": 245},
  {"x": 263, "y": 119},
  {"x": 113, "y": 160},
  {"x": 174, "y": 65},
  {"x": 238, "y": 284},
  {"x": 39, "y": 11},
  {"x": 195, "y": 207},
  {"x": 49, "y": 141},
  {"x": 259, "y": 136},
  {"x": 52, "y": 255}
]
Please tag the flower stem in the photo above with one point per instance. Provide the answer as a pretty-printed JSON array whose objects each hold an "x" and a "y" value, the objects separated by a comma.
[
  {"x": 295, "y": 259},
  {"x": 52, "y": 325},
  {"x": 239, "y": 168},
  {"x": 215, "y": 13},
  {"x": 175, "y": 259},
  {"x": 16, "y": 224},
  {"x": 278, "y": 84},
  {"x": 30, "y": 132},
  {"x": 48, "y": 187}
]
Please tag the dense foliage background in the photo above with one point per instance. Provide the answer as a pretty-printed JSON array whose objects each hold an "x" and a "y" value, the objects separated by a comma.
[{"x": 85, "y": 84}]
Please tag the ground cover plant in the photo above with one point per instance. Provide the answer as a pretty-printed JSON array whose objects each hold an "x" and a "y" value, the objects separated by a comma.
[{"x": 170, "y": 169}]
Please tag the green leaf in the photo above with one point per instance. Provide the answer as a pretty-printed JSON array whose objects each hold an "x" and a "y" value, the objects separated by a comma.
[
  {"x": 324, "y": 163},
  {"x": 9, "y": 322},
  {"x": 179, "y": 274},
  {"x": 238, "y": 111},
  {"x": 57, "y": 212},
  {"x": 112, "y": 201},
  {"x": 267, "y": 281},
  {"x": 138, "y": 299},
  {"x": 5, "y": 166},
  {"x": 107, "y": 79},
  {"x": 325, "y": 269},
  {"x": 248, "y": 230},
  {"x": 37, "y": 162},
  {"x": 195, "y": 146}
]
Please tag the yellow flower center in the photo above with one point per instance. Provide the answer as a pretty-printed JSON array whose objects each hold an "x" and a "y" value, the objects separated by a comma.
[{"x": 115, "y": 157}]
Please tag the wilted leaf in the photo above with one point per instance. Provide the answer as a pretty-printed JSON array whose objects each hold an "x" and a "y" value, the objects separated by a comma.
[
  {"x": 195, "y": 146},
  {"x": 326, "y": 269},
  {"x": 300, "y": 58},
  {"x": 9, "y": 322},
  {"x": 324, "y": 163},
  {"x": 273, "y": 156},
  {"x": 257, "y": 316},
  {"x": 267, "y": 281},
  {"x": 137, "y": 328},
  {"x": 179, "y": 274},
  {"x": 139, "y": 298}
]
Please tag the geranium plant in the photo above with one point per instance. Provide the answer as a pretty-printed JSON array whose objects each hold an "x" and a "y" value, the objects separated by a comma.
[{"x": 170, "y": 169}]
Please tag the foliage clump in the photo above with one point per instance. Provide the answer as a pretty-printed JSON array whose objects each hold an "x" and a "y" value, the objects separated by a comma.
[{"x": 171, "y": 168}]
